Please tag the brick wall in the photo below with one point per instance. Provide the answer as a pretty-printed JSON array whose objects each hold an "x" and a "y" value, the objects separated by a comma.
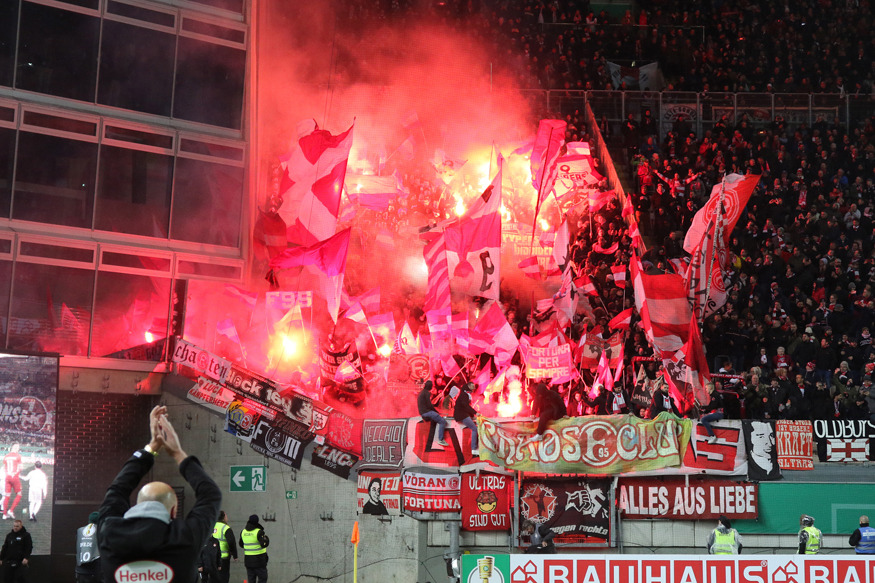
[{"x": 94, "y": 434}]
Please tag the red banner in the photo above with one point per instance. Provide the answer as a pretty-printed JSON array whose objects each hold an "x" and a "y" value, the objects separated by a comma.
[
  {"x": 379, "y": 494},
  {"x": 679, "y": 499},
  {"x": 549, "y": 361},
  {"x": 431, "y": 492},
  {"x": 486, "y": 501},
  {"x": 795, "y": 445}
]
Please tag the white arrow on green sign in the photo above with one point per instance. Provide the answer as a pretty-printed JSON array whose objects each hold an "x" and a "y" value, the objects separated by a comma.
[{"x": 248, "y": 478}]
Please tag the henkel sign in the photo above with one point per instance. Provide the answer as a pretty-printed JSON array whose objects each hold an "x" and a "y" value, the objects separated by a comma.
[
  {"x": 679, "y": 499},
  {"x": 664, "y": 569},
  {"x": 144, "y": 572}
]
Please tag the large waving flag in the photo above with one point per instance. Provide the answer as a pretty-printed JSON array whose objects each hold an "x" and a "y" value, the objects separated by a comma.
[
  {"x": 706, "y": 290},
  {"x": 662, "y": 304},
  {"x": 548, "y": 142},
  {"x": 575, "y": 171},
  {"x": 473, "y": 244},
  {"x": 437, "y": 295},
  {"x": 736, "y": 192},
  {"x": 312, "y": 182},
  {"x": 372, "y": 192},
  {"x": 327, "y": 256}
]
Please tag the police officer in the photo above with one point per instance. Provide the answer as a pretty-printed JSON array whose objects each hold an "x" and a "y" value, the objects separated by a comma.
[
  {"x": 863, "y": 539},
  {"x": 724, "y": 540},
  {"x": 254, "y": 542},
  {"x": 87, "y": 555},
  {"x": 227, "y": 546},
  {"x": 810, "y": 537}
]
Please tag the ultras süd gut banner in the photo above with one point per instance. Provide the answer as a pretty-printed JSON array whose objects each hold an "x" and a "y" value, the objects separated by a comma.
[{"x": 606, "y": 444}]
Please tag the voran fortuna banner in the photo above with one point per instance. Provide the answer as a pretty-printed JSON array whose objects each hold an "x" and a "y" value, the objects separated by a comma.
[{"x": 603, "y": 444}]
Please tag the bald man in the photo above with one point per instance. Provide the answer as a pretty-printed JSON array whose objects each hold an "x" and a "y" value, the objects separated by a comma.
[{"x": 149, "y": 538}]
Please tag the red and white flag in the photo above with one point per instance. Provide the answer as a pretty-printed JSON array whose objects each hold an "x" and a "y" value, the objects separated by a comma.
[
  {"x": 409, "y": 343},
  {"x": 329, "y": 257},
  {"x": 248, "y": 297},
  {"x": 706, "y": 289},
  {"x": 598, "y": 199},
  {"x": 737, "y": 192},
  {"x": 312, "y": 182},
  {"x": 382, "y": 329},
  {"x": 575, "y": 171},
  {"x": 530, "y": 267},
  {"x": 687, "y": 369},
  {"x": 560, "y": 246},
  {"x": 578, "y": 148},
  {"x": 586, "y": 285},
  {"x": 662, "y": 303},
  {"x": 447, "y": 168},
  {"x": 619, "y": 273},
  {"x": 371, "y": 192},
  {"x": 346, "y": 372},
  {"x": 356, "y": 314},
  {"x": 847, "y": 450},
  {"x": 621, "y": 321},
  {"x": 370, "y": 300},
  {"x": 459, "y": 323}
]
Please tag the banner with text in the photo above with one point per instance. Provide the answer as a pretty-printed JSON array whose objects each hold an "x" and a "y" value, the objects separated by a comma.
[
  {"x": 795, "y": 445},
  {"x": 277, "y": 444},
  {"x": 336, "y": 461},
  {"x": 665, "y": 569},
  {"x": 379, "y": 493},
  {"x": 431, "y": 492},
  {"x": 602, "y": 444},
  {"x": 548, "y": 362},
  {"x": 486, "y": 501},
  {"x": 683, "y": 499},
  {"x": 383, "y": 443},
  {"x": 575, "y": 509}
]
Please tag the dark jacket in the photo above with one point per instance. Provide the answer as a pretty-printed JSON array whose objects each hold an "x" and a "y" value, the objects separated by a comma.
[
  {"x": 17, "y": 546},
  {"x": 545, "y": 534},
  {"x": 548, "y": 402},
  {"x": 463, "y": 409},
  {"x": 255, "y": 561},
  {"x": 178, "y": 544},
  {"x": 423, "y": 401}
]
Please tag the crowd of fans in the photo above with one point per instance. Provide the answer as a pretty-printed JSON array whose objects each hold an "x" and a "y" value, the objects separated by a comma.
[
  {"x": 813, "y": 46},
  {"x": 794, "y": 339}
]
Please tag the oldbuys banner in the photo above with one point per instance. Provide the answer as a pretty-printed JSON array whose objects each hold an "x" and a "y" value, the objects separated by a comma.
[
  {"x": 683, "y": 499},
  {"x": 844, "y": 440},
  {"x": 575, "y": 509},
  {"x": 486, "y": 501},
  {"x": 605, "y": 444},
  {"x": 379, "y": 493},
  {"x": 383, "y": 443},
  {"x": 795, "y": 445},
  {"x": 431, "y": 492},
  {"x": 665, "y": 569}
]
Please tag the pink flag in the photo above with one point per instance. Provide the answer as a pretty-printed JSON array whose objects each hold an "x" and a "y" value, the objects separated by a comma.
[
  {"x": 548, "y": 142},
  {"x": 371, "y": 192},
  {"x": 473, "y": 244},
  {"x": 619, "y": 273},
  {"x": 356, "y": 314},
  {"x": 598, "y": 199},
  {"x": 346, "y": 372},
  {"x": 459, "y": 325},
  {"x": 447, "y": 168},
  {"x": 247, "y": 297},
  {"x": 312, "y": 183},
  {"x": 621, "y": 321},
  {"x": 560, "y": 246},
  {"x": 227, "y": 328},
  {"x": 382, "y": 329},
  {"x": 493, "y": 334},
  {"x": 530, "y": 267},
  {"x": 370, "y": 300},
  {"x": 437, "y": 295},
  {"x": 449, "y": 365},
  {"x": 329, "y": 257},
  {"x": 737, "y": 192}
]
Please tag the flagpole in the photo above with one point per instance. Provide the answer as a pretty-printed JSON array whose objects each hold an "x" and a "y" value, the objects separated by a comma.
[{"x": 718, "y": 232}]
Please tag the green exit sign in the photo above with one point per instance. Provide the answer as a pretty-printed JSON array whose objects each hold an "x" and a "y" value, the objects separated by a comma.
[
  {"x": 248, "y": 478},
  {"x": 291, "y": 494}
]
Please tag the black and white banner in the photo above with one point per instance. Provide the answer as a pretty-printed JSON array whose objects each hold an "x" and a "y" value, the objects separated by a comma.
[
  {"x": 844, "y": 440},
  {"x": 277, "y": 444}
]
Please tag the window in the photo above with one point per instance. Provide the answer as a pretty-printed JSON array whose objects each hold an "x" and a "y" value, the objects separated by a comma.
[
  {"x": 57, "y": 52},
  {"x": 127, "y": 48},
  {"x": 207, "y": 202},
  {"x": 235, "y": 6},
  {"x": 51, "y": 308},
  {"x": 209, "y": 83},
  {"x": 130, "y": 311},
  {"x": 8, "y": 27},
  {"x": 7, "y": 156},
  {"x": 5, "y": 283},
  {"x": 133, "y": 194},
  {"x": 54, "y": 182}
]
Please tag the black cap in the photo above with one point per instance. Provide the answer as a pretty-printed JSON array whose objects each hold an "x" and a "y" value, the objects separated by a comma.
[
  {"x": 725, "y": 521},
  {"x": 93, "y": 517},
  {"x": 253, "y": 518}
]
